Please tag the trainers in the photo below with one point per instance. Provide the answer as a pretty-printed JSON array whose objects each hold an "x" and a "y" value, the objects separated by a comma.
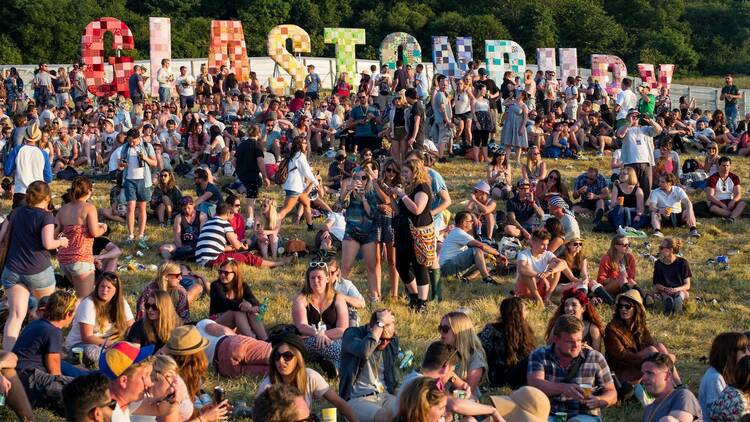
[
  {"x": 142, "y": 242},
  {"x": 694, "y": 233},
  {"x": 129, "y": 240},
  {"x": 658, "y": 233}
]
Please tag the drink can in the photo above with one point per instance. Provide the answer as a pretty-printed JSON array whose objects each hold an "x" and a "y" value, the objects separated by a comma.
[
  {"x": 459, "y": 394},
  {"x": 329, "y": 414},
  {"x": 2, "y": 400},
  {"x": 561, "y": 417},
  {"x": 78, "y": 353}
]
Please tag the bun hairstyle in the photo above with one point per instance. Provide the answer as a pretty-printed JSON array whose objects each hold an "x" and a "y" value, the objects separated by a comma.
[{"x": 80, "y": 187}]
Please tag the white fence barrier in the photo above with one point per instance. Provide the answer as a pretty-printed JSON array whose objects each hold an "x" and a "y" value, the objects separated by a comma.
[{"x": 706, "y": 98}]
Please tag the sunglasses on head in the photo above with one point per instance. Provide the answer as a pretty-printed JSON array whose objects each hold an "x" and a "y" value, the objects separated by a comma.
[
  {"x": 287, "y": 356},
  {"x": 318, "y": 264}
]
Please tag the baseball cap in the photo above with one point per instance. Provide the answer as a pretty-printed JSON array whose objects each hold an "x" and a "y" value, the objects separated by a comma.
[
  {"x": 632, "y": 111},
  {"x": 482, "y": 71},
  {"x": 120, "y": 356},
  {"x": 482, "y": 186},
  {"x": 523, "y": 182}
]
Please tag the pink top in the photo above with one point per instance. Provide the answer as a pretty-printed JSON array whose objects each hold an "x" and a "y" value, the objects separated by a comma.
[{"x": 80, "y": 246}]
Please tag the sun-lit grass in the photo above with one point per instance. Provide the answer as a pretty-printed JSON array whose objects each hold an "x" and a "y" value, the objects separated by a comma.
[
  {"x": 717, "y": 81},
  {"x": 688, "y": 335}
]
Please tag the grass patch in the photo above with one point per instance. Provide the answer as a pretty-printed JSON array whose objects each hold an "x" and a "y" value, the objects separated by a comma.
[
  {"x": 688, "y": 336},
  {"x": 742, "y": 81}
]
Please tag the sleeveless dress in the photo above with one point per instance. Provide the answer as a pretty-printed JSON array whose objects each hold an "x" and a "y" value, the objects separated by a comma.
[{"x": 510, "y": 136}]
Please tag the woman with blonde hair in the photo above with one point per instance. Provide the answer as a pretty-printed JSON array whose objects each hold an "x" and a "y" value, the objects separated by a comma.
[
  {"x": 267, "y": 228},
  {"x": 457, "y": 330},
  {"x": 104, "y": 315},
  {"x": 628, "y": 201},
  {"x": 463, "y": 106},
  {"x": 320, "y": 313},
  {"x": 414, "y": 211},
  {"x": 287, "y": 366},
  {"x": 397, "y": 125},
  {"x": 78, "y": 221},
  {"x": 233, "y": 303},
  {"x": 617, "y": 267},
  {"x": 157, "y": 323},
  {"x": 168, "y": 276},
  {"x": 423, "y": 400},
  {"x": 390, "y": 177}
]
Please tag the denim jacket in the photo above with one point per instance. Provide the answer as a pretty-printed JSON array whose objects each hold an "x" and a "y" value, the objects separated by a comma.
[{"x": 356, "y": 346}]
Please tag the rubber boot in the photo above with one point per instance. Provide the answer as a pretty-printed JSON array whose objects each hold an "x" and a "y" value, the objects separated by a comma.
[{"x": 436, "y": 287}]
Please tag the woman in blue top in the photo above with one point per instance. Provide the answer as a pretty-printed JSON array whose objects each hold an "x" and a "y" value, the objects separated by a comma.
[{"x": 361, "y": 204}]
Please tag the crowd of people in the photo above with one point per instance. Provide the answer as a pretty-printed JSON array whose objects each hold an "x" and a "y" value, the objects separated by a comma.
[{"x": 72, "y": 342}]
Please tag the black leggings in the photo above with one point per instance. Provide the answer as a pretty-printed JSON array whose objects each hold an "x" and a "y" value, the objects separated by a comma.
[
  {"x": 407, "y": 266},
  {"x": 481, "y": 138}
]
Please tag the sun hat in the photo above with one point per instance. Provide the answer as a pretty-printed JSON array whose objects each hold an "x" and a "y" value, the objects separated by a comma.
[
  {"x": 32, "y": 133},
  {"x": 482, "y": 186},
  {"x": 185, "y": 340},
  {"x": 291, "y": 340},
  {"x": 120, "y": 356},
  {"x": 633, "y": 295},
  {"x": 631, "y": 112},
  {"x": 527, "y": 404},
  {"x": 365, "y": 72}
]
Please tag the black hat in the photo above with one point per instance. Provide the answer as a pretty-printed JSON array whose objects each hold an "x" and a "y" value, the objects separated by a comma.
[{"x": 291, "y": 340}]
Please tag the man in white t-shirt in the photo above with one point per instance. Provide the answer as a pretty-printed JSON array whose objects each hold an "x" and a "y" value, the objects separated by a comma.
[
  {"x": 703, "y": 134},
  {"x": 638, "y": 147},
  {"x": 165, "y": 77},
  {"x": 671, "y": 205},
  {"x": 626, "y": 100},
  {"x": 724, "y": 193},
  {"x": 538, "y": 270},
  {"x": 171, "y": 139},
  {"x": 460, "y": 251},
  {"x": 186, "y": 88},
  {"x": 27, "y": 163}
]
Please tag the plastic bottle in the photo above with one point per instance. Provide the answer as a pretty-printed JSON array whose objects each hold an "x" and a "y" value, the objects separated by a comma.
[
  {"x": 263, "y": 309},
  {"x": 406, "y": 359}
]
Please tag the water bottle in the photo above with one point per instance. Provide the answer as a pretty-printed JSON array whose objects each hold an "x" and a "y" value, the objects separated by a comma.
[
  {"x": 723, "y": 262},
  {"x": 406, "y": 358},
  {"x": 262, "y": 311},
  {"x": 321, "y": 327}
]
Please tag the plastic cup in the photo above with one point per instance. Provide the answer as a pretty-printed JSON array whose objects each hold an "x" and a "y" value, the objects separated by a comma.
[
  {"x": 587, "y": 389},
  {"x": 621, "y": 200},
  {"x": 561, "y": 417},
  {"x": 78, "y": 353},
  {"x": 329, "y": 414},
  {"x": 668, "y": 211}
]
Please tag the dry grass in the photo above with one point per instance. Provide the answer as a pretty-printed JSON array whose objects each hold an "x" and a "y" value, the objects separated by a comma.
[
  {"x": 688, "y": 336},
  {"x": 742, "y": 81}
]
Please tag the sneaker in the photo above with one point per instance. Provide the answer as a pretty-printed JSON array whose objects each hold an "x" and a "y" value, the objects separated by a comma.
[
  {"x": 490, "y": 280},
  {"x": 658, "y": 233},
  {"x": 129, "y": 240},
  {"x": 142, "y": 242},
  {"x": 694, "y": 233}
]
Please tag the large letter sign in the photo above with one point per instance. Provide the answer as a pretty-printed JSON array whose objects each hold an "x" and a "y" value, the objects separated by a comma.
[
  {"x": 345, "y": 39},
  {"x": 545, "y": 59},
  {"x": 444, "y": 61},
  {"x": 602, "y": 64},
  {"x": 568, "y": 62},
  {"x": 228, "y": 47},
  {"x": 495, "y": 52},
  {"x": 277, "y": 50},
  {"x": 160, "y": 40},
  {"x": 665, "y": 75},
  {"x": 412, "y": 51},
  {"x": 92, "y": 53}
]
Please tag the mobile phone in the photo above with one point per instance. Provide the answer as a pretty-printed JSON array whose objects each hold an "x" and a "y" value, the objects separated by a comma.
[{"x": 218, "y": 395}]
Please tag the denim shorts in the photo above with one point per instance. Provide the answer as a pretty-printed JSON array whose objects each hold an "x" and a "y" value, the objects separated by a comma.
[
  {"x": 291, "y": 193},
  {"x": 136, "y": 190},
  {"x": 77, "y": 268},
  {"x": 38, "y": 281}
]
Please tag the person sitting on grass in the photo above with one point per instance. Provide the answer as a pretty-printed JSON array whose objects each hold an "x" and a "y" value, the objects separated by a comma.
[
  {"x": 218, "y": 243},
  {"x": 347, "y": 290},
  {"x": 575, "y": 302},
  {"x": 724, "y": 193},
  {"x": 457, "y": 330},
  {"x": 538, "y": 270},
  {"x": 287, "y": 366},
  {"x": 735, "y": 399},
  {"x": 671, "y": 205},
  {"x": 726, "y": 351},
  {"x": 671, "y": 403},
  {"x": 551, "y": 370},
  {"x": 233, "y": 303},
  {"x": 628, "y": 341},
  {"x": 158, "y": 320},
  {"x": 483, "y": 206},
  {"x": 672, "y": 276},
  {"x": 186, "y": 229},
  {"x": 281, "y": 403},
  {"x": 521, "y": 210},
  {"x": 234, "y": 355},
  {"x": 617, "y": 267},
  {"x": 168, "y": 275},
  {"x": 460, "y": 251},
  {"x": 40, "y": 350},
  {"x": 591, "y": 188},
  {"x": 88, "y": 399},
  {"x": 208, "y": 196}
]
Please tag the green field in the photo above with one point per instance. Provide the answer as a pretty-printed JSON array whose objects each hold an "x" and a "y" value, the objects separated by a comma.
[{"x": 688, "y": 336}]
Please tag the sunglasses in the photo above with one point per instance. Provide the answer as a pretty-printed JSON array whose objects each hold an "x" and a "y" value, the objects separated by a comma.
[
  {"x": 627, "y": 245},
  {"x": 577, "y": 243},
  {"x": 164, "y": 176},
  {"x": 360, "y": 178},
  {"x": 176, "y": 275},
  {"x": 390, "y": 170},
  {"x": 361, "y": 98},
  {"x": 318, "y": 264},
  {"x": 112, "y": 404},
  {"x": 287, "y": 356},
  {"x": 384, "y": 340},
  {"x": 225, "y": 273},
  {"x": 151, "y": 307},
  {"x": 444, "y": 329},
  {"x": 625, "y": 306},
  {"x": 237, "y": 205}
]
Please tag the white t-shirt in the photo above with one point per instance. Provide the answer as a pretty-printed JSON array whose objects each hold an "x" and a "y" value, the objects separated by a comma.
[
  {"x": 86, "y": 313},
  {"x": 123, "y": 415},
  {"x": 339, "y": 225},
  {"x": 707, "y": 132},
  {"x": 455, "y": 242},
  {"x": 636, "y": 145},
  {"x": 114, "y": 159},
  {"x": 537, "y": 264},
  {"x": 316, "y": 386},
  {"x": 347, "y": 288},
  {"x": 212, "y": 340},
  {"x": 673, "y": 200},
  {"x": 626, "y": 99},
  {"x": 171, "y": 140},
  {"x": 185, "y": 91}
]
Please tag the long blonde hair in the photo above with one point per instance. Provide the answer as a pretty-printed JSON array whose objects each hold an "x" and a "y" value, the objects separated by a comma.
[
  {"x": 417, "y": 399},
  {"x": 112, "y": 312},
  {"x": 269, "y": 219},
  {"x": 165, "y": 268},
  {"x": 299, "y": 375},
  {"x": 467, "y": 341},
  {"x": 163, "y": 364},
  {"x": 419, "y": 174},
  {"x": 159, "y": 331}
]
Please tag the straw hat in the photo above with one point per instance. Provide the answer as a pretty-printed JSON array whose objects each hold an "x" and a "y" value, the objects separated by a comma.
[
  {"x": 185, "y": 340},
  {"x": 32, "y": 133},
  {"x": 527, "y": 404},
  {"x": 633, "y": 295}
]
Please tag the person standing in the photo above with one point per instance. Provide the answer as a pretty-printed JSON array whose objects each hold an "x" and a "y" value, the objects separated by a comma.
[
  {"x": 730, "y": 94},
  {"x": 514, "y": 133},
  {"x": 626, "y": 101},
  {"x": 443, "y": 113},
  {"x": 312, "y": 84},
  {"x": 186, "y": 88},
  {"x": 165, "y": 77},
  {"x": 421, "y": 84},
  {"x": 251, "y": 170},
  {"x": 27, "y": 163},
  {"x": 415, "y": 121},
  {"x": 43, "y": 89},
  {"x": 638, "y": 147},
  {"x": 136, "y": 158},
  {"x": 135, "y": 85},
  {"x": 496, "y": 100}
]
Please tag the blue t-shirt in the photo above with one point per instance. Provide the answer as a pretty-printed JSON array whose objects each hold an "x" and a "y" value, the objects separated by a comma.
[
  {"x": 39, "y": 338},
  {"x": 369, "y": 128},
  {"x": 312, "y": 81},
  {"x": 27, "y": 255},
  {"x": 215, "y": 193},
  {"x": 133, "y": 84}
]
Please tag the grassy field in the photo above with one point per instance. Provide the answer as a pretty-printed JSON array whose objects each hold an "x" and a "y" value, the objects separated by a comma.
[
  {"x": 688, "y": 335},
  {"x": 741, "y": 81}
]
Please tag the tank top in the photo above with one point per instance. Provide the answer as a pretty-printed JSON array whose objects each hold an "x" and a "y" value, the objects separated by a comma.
[
  {"x": 189, "y": 231},
  {"x": 481, "y": 104},
  {"x": 328, "y": 317},
  {"x": 398, "y": 117},
  {"x": 80, "y": 246},
  {"x": 461, "y": 104},
  {"x": 629, "y": 200}
]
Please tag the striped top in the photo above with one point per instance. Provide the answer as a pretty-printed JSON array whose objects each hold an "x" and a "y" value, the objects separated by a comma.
[{"x": 212, "y": 240}]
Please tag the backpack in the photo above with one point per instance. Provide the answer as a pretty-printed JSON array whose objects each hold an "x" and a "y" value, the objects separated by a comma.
[
  {"x": 690, "y": 165},
  {"x": 597, "y": 92},
  {"x": 283, "y": 171},
  {"x": 383, "y": 87}
]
